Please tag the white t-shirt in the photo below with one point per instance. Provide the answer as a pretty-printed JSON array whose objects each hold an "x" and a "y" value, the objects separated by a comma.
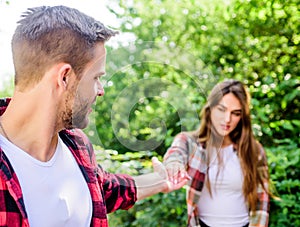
[
  {"x": 227, "y": 206},
  {"x": 55, "y": 192}
]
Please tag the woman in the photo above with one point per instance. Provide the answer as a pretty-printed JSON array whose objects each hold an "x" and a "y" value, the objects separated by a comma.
[{"x": 228, "y": 167}]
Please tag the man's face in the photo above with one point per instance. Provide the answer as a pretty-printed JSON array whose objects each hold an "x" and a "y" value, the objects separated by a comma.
[{"x": 85, "y": 91}]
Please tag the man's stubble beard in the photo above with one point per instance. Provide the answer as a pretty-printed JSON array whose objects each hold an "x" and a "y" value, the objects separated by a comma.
[{"x": 75, "y": 116}]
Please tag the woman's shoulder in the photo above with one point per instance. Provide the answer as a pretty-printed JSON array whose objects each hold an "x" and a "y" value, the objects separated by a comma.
[{"x": 190, "y": 137}]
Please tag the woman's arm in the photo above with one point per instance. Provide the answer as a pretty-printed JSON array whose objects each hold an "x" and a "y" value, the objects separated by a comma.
[{"x": 176, "y": 158}]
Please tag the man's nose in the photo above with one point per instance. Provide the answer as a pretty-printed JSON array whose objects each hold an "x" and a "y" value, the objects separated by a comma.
[{"x": 100, "y": 91}]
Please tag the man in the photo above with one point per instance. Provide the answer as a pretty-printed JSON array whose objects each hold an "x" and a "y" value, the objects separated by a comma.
[{"x": 48, "y": 172}]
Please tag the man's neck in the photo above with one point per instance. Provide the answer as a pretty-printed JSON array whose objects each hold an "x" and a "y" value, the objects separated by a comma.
[{"x": 32, "y": 126}]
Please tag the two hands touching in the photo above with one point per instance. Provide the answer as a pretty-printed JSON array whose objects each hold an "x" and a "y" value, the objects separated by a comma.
[
  {"x": 163, "y": 179},
  {"x": 173, "y": 173}
]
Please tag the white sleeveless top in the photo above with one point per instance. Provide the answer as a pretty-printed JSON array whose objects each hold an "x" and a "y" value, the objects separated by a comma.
[
  {"x": 55, "y": 192},
  {"x": 227, "y": 206}
]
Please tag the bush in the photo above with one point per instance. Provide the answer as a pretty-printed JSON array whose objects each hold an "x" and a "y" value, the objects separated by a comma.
[
  {"x": 284, "y": 163},
  {"x": 170, "y": 209},
  {"x": 158, "y": 210}
]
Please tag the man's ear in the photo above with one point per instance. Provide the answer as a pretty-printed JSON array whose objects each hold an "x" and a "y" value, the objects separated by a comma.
[{"x": 64, "y": 76}]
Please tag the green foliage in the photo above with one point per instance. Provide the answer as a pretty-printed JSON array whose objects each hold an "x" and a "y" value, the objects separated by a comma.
[
  {"x": 155, "y": 102},
  {"x": 267, "y": 59},
  {"x": 6, "y": 88},
  {"x": 284, "y": 162},
  {"x": 192, "y": 45},
  {"x": 158, "y": 210},
  {"x": 157, "y": 83},
  {"x": 170, "y": 209},
  {"x": 6, "y": 2}
]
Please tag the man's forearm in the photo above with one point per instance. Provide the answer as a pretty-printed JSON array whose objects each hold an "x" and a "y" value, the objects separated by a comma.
[{"x": 149, "y": 184}]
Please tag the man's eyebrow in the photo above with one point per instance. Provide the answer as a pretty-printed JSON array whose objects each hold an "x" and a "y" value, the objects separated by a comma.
[{"x": 99, "y": 74}]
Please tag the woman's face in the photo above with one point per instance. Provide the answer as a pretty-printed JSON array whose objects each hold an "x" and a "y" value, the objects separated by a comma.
[{"x": 226, "y": 115}]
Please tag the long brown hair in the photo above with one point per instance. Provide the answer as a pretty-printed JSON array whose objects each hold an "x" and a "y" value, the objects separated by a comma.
[{"x": 248, "y": 149}]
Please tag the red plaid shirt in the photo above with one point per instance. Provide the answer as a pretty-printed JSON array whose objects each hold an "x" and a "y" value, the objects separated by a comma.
[
  {"x": 186, "y": 150},
  {"x": 109, "y": 192}
]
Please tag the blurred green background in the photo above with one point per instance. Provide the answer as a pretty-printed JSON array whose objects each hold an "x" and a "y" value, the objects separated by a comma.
[{"x": 170, "y": 54}]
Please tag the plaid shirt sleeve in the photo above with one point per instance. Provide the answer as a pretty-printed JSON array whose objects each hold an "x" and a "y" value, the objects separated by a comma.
[
  {"x": 117, "y": 191},
  {"x": 187, "y": 151},
  {"x": 260, "y": 217},
  {"x": 178, "y": 152}
]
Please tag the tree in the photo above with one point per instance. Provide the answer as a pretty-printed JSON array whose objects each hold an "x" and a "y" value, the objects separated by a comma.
[{"x": 182, "y": 48}]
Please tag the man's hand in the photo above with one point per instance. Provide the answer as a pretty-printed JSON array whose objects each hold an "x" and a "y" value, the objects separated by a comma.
[{"x": 175, "y": 175}]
